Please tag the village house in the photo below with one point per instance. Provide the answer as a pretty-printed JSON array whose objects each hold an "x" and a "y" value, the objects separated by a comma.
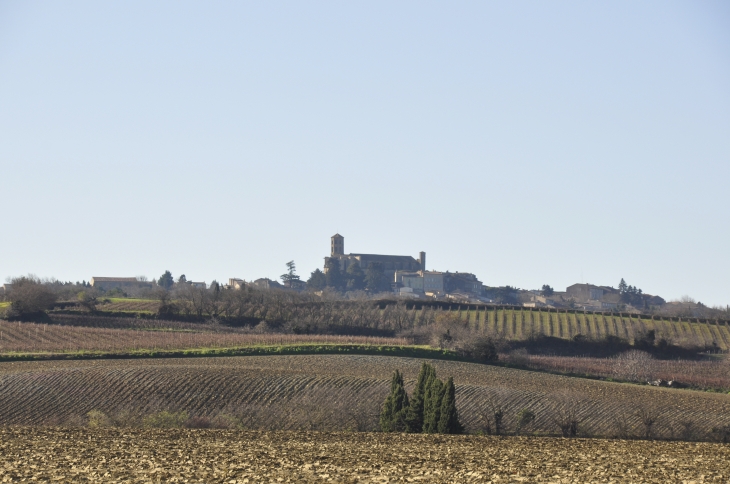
[
  {"x": 438, "y": 283},
  {"x": 588, "y": 292},
  {"x": 266, "y": 283},
  {"x": 106, "y": 283},
  {"x": 235, "y": 283}
]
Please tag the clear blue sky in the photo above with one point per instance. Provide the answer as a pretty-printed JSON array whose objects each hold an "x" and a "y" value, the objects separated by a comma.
[{"x": 527, "y": 142}]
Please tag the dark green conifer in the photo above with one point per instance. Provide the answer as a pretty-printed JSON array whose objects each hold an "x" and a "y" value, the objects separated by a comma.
[
  {"x": 392, "y": 417},
  {"x": 449, "y": 418},
  {"x": 414, "y": 415},
  {"x": 432, "y": 405}
]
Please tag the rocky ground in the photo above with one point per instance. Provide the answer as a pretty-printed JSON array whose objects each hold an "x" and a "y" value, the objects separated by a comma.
[{"x": 174, "y": 455}]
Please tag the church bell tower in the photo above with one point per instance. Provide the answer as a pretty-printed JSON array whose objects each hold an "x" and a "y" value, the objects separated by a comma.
[{"x": 338, "y": 245}]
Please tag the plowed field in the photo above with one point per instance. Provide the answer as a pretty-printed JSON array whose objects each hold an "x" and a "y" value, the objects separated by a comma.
[
  {"x": 132, "y": 455},
  {"x": 335, "y": 392},
  {"x": 56, "y": 338}
]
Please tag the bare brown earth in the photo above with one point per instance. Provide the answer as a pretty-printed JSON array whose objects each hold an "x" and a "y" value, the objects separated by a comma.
[
  {"x": 135, "y": 455},
  {"x": 336, "y": 392}
]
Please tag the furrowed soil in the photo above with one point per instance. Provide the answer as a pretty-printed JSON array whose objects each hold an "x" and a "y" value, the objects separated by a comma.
[
  {"x": 172, "y": 455},
  {"x": 336, "y": 392}
]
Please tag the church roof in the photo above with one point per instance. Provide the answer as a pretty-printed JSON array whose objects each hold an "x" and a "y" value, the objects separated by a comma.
[
  {"x": 114, "y": 279},
  {"x": 383, "y": 257}
]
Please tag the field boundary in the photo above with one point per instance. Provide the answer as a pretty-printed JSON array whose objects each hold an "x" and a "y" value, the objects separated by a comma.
[
  {"x": 262, "y": 350},
  {"x": 422, "y": 352},
  {"x": 410, "y": 305}
]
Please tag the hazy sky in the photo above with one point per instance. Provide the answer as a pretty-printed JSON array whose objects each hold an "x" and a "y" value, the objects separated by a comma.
[{"x": 527, "y": 142}]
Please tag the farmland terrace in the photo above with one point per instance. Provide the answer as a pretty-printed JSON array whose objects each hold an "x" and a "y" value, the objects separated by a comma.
[{"x": 337, "y": 392}]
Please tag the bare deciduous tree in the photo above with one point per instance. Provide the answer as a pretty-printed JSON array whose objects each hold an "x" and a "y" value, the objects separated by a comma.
[
  {"x": 648, "y": 417},
  {"x": 568, "y": 413}
]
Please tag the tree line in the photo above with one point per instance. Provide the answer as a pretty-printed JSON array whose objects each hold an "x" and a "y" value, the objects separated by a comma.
[{"x": 372, "y": 279}]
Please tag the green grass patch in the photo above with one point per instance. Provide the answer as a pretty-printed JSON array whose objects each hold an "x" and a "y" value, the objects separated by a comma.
[
  {"x": 262, "y": 350},
  {"x": 128, "y": 299},
  {"x": 4, "y": 304}
]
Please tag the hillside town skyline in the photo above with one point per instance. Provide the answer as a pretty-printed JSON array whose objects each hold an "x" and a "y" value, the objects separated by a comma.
[{"x": 407, "y": 277}]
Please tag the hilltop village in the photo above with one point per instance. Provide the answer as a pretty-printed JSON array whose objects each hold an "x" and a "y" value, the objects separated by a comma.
[{"x": 360, "y": 275}]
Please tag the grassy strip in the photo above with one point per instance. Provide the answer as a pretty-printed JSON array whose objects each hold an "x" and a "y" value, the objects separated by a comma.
[
  {"x": 129, "y": 299},
  {"x": 295, "y": 349},
  {"x": 117, "y": 313}
]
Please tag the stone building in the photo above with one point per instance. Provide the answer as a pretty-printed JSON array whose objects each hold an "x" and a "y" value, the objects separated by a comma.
[
  {"x": 390, "y": 263},
  {"x": 588, "y": 292},
  {"x": 266, "y": 283},
  {"x": 439, "y": 283},
  {"x": 106, "y": 283}
]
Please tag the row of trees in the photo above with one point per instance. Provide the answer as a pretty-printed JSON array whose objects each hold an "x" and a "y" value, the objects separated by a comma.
[
  {"x": 353, "y": 279},
  {"x": 431, "y": 409},
  {"x": 630, "y": 294},
  {"x": 372, "y": 279}
]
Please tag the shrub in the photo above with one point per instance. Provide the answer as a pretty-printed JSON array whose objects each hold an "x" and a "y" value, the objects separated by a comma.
[
  {"x": 198, "y": 423},
  {"x": 645, "y": 340},
  {"x": 224, "y": 421},
  {"x": 480, "y": 348},
  {"x": 721, "y": 434},
  {"x": 88, "y": 299},
  {"x": 518, "y": 357},
  {"x": 98, "y": 419},
  {"x": 29, "y": 296},
  {"x": 621, "y": 428},
  {"x": 165, "y": 420},
  {"x": 687, "y": 430},
  {"x": 525, "y": 418}
]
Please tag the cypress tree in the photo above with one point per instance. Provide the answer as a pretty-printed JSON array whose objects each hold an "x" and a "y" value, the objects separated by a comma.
[
  {"x": 392, "y": 417},
  {"x": 432, "y": 405},
  {"x": 449, "y": 418},
  {"x": 414, "y": 415}
]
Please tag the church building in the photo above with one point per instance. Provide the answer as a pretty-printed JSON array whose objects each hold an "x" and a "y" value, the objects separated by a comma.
[{"x": 390, "y": 263}]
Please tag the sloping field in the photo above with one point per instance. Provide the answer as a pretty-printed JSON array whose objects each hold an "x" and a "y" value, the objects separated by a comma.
[
  {"x": 522, "y": 323},
  {"x": 513, "y": 322},
  {"x": 335, "y": 392},
  {"x": 132, "y": 455},
  {"x": 131, "y": 305},
  {"x": 18, "y": 337},
  {"x": 637, "y": 367}
]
